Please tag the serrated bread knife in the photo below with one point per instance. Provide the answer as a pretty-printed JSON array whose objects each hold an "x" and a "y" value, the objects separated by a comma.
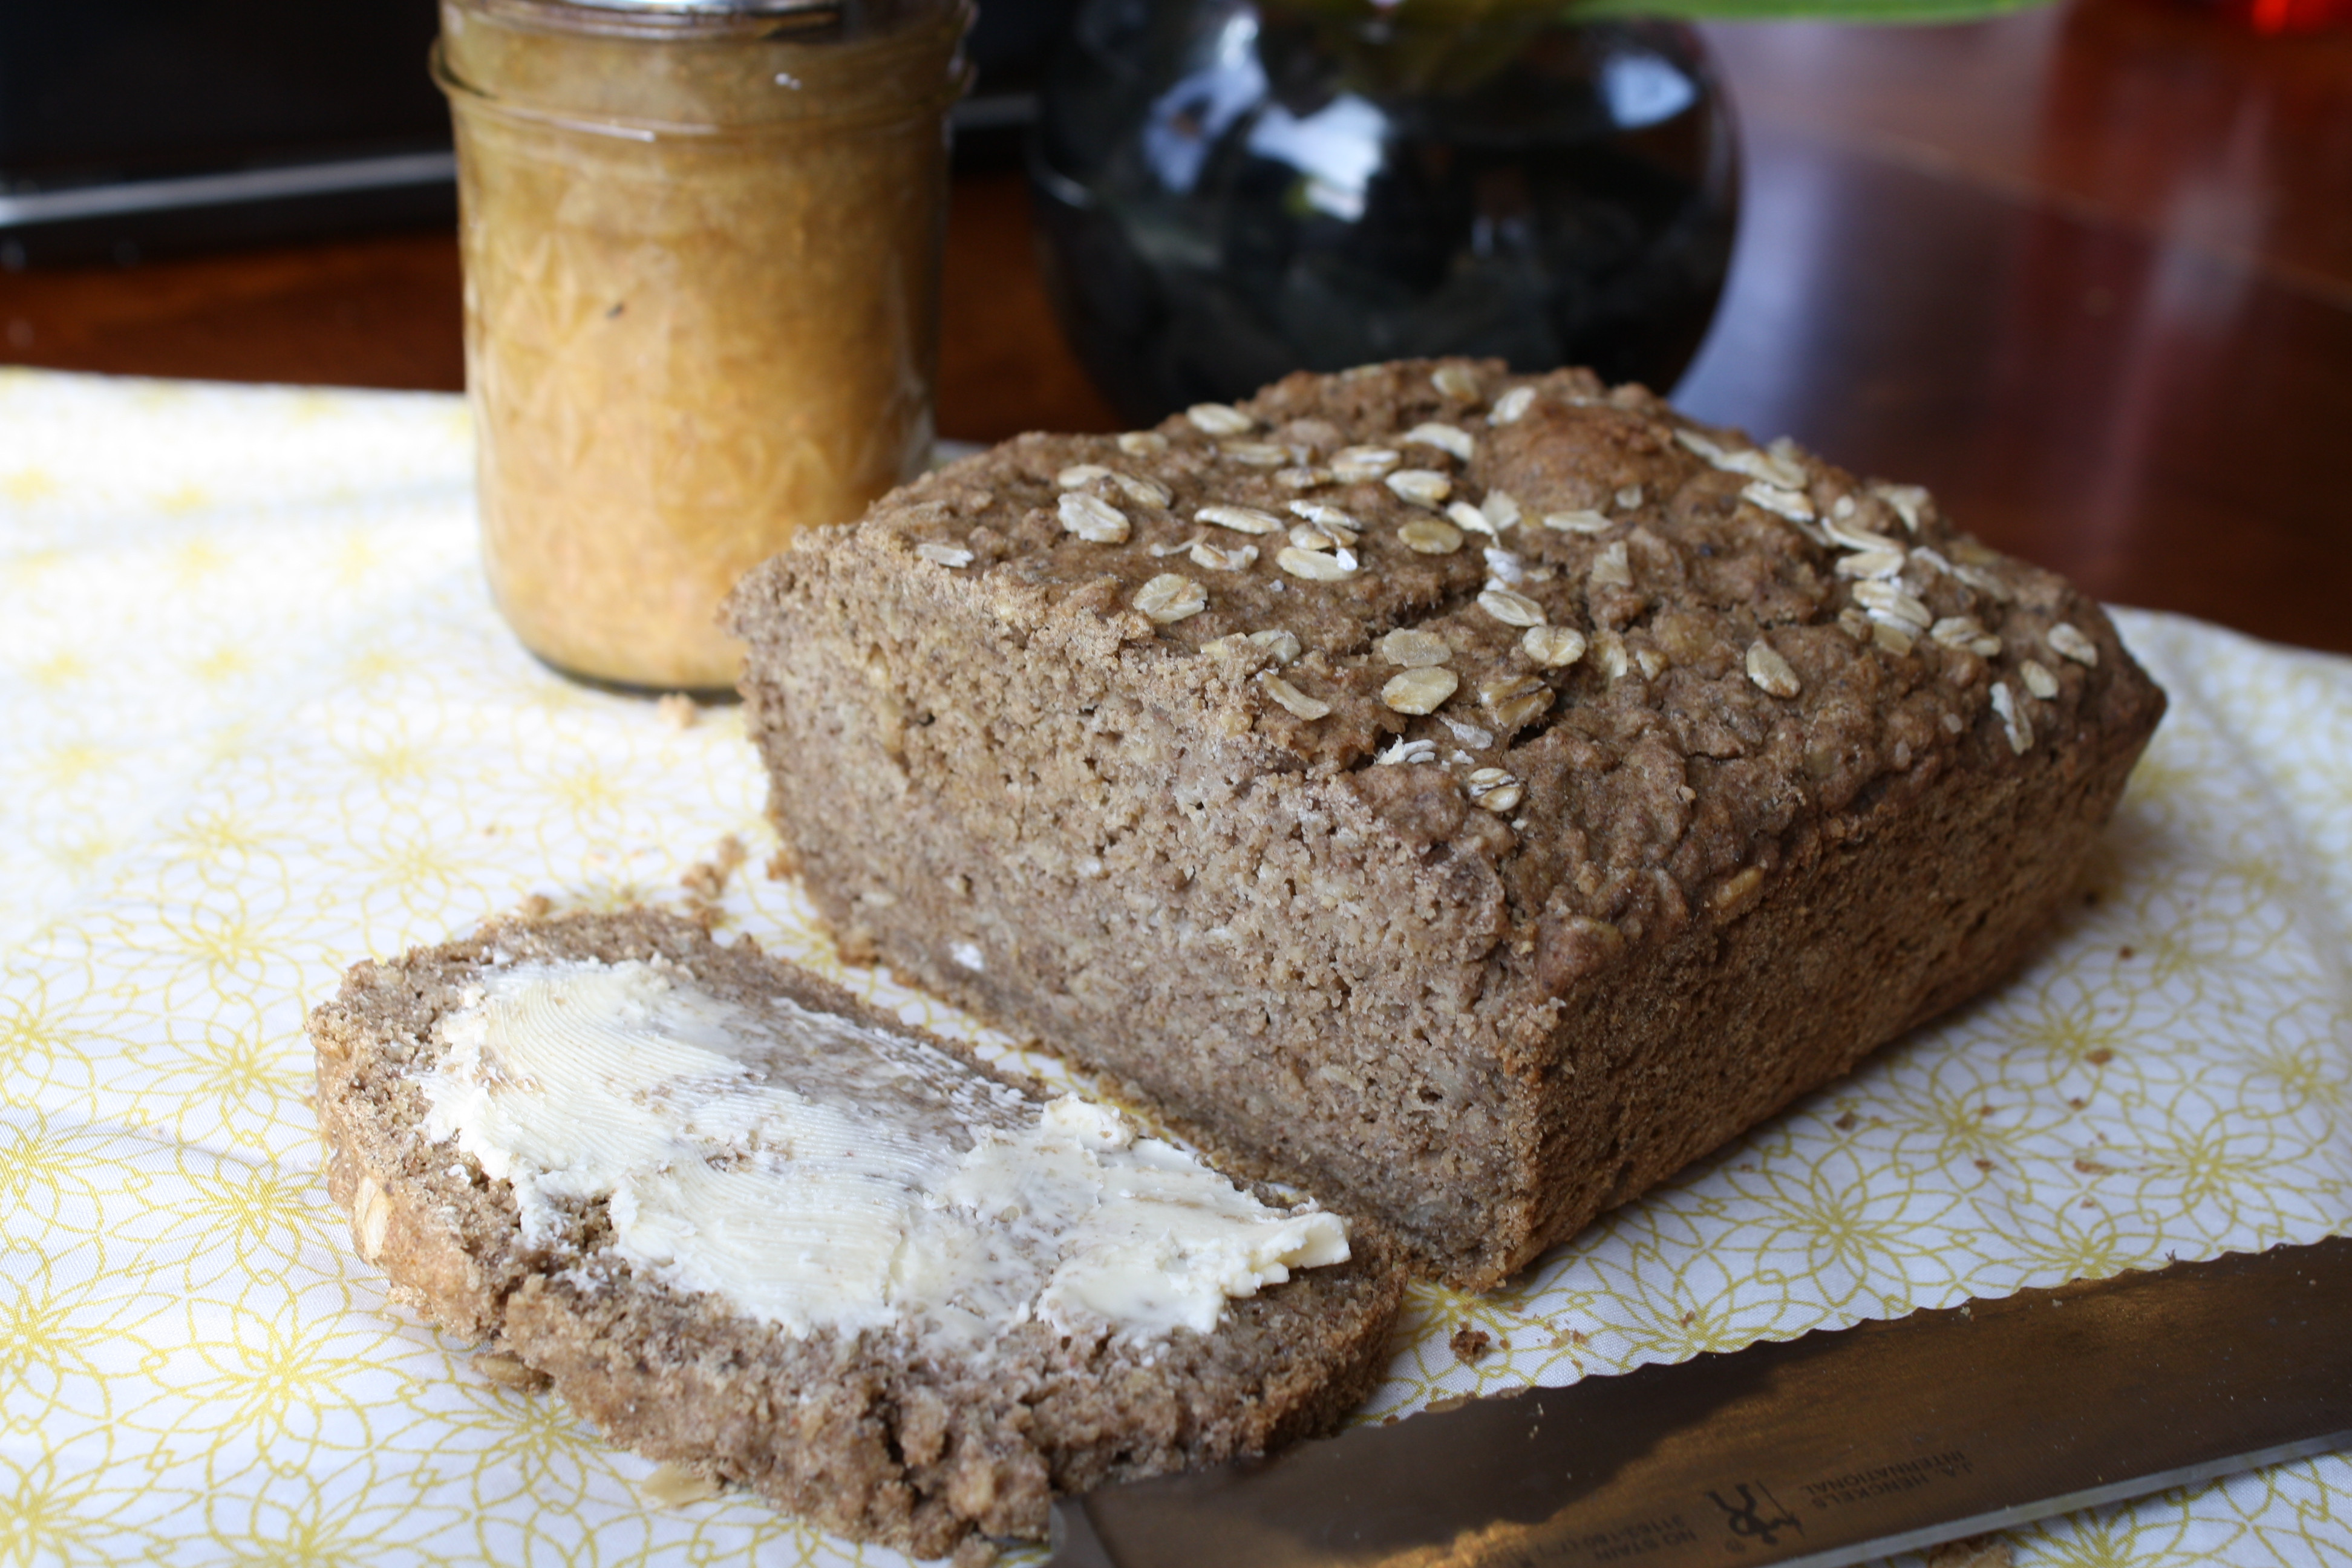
[{"x": 1832, "y": 1448}]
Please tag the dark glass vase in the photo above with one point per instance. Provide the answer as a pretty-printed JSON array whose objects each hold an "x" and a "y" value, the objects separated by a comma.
[{"x": 1227, "y": 192}]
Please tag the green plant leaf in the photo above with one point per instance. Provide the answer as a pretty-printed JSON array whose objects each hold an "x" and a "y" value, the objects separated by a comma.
[
  {"x": 1872, "y": 11},
  {"x": 1423, "y": 15}
]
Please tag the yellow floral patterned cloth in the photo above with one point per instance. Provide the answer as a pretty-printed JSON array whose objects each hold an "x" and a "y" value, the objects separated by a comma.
[{"x": 261, "y": 720}]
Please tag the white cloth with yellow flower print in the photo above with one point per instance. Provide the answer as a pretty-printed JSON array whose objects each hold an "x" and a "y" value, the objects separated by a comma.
[{"x": 260, "y": 719}]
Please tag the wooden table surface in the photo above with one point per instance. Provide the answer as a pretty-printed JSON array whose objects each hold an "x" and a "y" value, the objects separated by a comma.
[{"x": 2086, "y": 271}]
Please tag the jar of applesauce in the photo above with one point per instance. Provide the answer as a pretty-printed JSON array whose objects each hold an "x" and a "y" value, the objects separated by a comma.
[{"x": 701, "y": 247}]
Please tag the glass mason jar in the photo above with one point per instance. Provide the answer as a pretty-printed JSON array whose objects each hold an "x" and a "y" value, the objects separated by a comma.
[
  {"x": 1230, "y": 190},
  {"x": 701, "y": 245}
]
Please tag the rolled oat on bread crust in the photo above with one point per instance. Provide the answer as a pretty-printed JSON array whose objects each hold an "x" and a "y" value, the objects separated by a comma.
[
  {"x": 1471, "y": 796},
  {"x": 872, "y": 1434}
]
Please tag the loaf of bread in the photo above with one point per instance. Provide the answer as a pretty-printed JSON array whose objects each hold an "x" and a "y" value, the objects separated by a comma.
[
  {"x": 1471, "y": 796},
  {"x": 568, "y": 1137}
]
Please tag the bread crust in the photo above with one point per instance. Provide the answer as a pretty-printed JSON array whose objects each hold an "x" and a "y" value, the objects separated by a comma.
[
  {"x": 1825, "y": 768},
  {"x": 871, "y": 1434}
]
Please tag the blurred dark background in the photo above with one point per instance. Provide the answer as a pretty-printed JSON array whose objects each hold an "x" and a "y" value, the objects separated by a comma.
[
  {"x": 2086, "y": 270},
  {"x": 143, "y": 128}
]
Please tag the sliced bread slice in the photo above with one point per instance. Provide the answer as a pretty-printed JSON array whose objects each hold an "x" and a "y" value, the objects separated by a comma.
[{"x": 486, "y": 1107}]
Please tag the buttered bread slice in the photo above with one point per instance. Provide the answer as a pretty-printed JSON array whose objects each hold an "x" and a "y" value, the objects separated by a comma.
[{"x": 748, "y": 1224}]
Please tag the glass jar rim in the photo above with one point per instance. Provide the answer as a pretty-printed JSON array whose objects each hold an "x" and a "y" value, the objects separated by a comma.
[
  {"x": 817, "y": 20},
  {"x": 465, "y": 97},
  {"x": 727, "y": 7}
]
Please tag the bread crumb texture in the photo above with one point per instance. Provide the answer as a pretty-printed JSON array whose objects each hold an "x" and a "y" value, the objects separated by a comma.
[
  {"x": 1574, "y": 786},
  {"x": 263, "y": 721},
  {"x": 880, "y": 1433}
]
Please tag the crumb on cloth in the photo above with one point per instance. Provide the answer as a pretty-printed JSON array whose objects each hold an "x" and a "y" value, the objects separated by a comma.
[
  {"x": 511, "y": 1371},
  {"x": 709, "y": 878},
  {"x": 1975, "y": 1552},
  {"x": 675, "y": 1486}
]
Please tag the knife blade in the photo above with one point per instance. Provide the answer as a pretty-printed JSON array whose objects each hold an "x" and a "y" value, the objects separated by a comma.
[{"x": 1831, "y": 1449}]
